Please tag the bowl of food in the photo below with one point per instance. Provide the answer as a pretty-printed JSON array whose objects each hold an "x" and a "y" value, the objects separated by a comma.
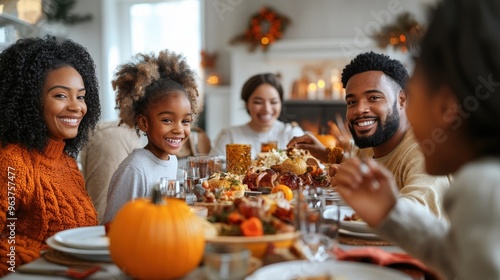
[
  {"x": 257, "y": 244},
  {"x": 255, "y": 223}
]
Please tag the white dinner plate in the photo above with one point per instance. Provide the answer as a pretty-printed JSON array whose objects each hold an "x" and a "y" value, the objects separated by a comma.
[
  {"x": 84, "y": 254},
  {"x": 346, "y": 211},
  {"x": 343, "y": 269},
  {"x": 355, "y": 226},
  {"x": 331, "y": 211},
  {"x": 364, "y": 235},
  {"x": 91, "y": 238}
]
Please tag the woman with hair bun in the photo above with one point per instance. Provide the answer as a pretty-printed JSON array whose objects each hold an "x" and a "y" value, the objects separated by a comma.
[{"x": 263, "y": 96}]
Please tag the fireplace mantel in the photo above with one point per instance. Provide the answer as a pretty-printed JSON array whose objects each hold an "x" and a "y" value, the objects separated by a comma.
[{"x": 312, "y": 48}]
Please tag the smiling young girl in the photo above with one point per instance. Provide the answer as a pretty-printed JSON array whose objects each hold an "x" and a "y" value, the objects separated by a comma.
[
  {"x": 49, "y": 102},
  {"x": 158, "y": 96}
]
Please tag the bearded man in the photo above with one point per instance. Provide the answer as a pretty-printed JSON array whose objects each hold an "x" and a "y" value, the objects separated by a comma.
[{"x": 376, "y": 118}]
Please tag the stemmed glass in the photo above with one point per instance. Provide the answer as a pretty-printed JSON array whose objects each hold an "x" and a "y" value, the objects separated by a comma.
[{"x": 318, "y": 227}]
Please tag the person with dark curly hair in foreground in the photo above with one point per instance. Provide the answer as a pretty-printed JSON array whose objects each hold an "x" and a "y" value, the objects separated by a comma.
[
  {"x": 454, "y": 109},
  {"x": 158, "y": 96},
  {"x": 49, "y": 102},
  {"x": 376, "y": 117}
]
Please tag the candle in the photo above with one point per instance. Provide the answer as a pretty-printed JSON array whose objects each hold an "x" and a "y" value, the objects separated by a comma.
[{"x": 311, "y": 91}]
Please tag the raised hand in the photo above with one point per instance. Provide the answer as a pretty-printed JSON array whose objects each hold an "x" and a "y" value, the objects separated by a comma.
[
  {"x": 368, "y": 188},
  {"x": 310, "y": 143}
]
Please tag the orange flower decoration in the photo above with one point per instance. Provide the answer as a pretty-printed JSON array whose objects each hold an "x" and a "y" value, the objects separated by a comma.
[{"x": 265, "y": 28}]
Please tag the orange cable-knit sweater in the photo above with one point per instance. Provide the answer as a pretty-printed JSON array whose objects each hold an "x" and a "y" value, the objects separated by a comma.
[{"x": 40, "y": 194}]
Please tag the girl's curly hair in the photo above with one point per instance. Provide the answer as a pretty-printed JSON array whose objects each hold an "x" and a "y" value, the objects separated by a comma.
[
  {"x": 23, "y": 69},
  {"x": 150, "y": 77}
]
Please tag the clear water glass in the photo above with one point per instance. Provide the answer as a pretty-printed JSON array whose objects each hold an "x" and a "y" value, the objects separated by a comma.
[
  {"x": 191, "y": 179},
  {"x": 318, "y": 224}
]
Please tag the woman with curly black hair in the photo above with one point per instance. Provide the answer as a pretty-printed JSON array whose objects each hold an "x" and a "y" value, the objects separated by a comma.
[
  {"x": 158, "y": 96},
  {"x": 49, "y": 102}
]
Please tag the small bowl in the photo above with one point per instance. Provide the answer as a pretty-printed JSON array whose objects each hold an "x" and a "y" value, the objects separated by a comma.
[{"x": 258, "y": 244}]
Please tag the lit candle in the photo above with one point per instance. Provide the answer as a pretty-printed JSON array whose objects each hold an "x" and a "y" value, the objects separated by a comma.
[
  {"x": 321, "y": 89},
  {"x": 311, "y": 91}
]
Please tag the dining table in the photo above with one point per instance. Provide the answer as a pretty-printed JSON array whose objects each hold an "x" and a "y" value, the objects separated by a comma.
[{"x": 40, "y": 267}]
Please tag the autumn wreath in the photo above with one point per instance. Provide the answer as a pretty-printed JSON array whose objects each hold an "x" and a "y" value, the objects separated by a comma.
[{"x": 265, "y": 28}]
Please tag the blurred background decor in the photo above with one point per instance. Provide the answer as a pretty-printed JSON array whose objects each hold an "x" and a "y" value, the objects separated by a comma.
[
  {"x": 208, "y": 64},
  {"x": 30, "y": 18},
  {"x": 403, "y": 35},
  {"x": 265, "y": 27},
  {"x": 57, "y": 15},
  {"x": 59, "y": 11}
]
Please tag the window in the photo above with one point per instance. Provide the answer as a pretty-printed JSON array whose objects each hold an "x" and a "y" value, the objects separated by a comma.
[
  {"x": 173, "y": 25},
  {"x": 148, "y": 26}
]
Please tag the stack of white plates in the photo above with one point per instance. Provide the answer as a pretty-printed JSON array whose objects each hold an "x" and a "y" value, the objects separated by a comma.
[{"x": 88, "y": 243}]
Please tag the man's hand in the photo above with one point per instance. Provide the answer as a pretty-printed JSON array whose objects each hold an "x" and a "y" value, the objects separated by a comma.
[
  {"x": 368, "y": 188},
  {"x": 310, "y": 143}
]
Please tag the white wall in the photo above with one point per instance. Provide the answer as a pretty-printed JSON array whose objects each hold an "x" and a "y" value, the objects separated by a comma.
[
  {"x": 312, "y": 20},
  {"x": 327, "y": 29},
  {"x": 101, "y": 37}
]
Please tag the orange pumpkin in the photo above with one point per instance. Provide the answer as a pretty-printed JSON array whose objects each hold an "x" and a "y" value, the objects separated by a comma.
[
  {"x": 326, "y": 139},
  {"x": 156, "y": 238}
]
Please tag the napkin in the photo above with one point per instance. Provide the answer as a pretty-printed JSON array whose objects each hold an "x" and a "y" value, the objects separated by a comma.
[{"x": 380, "y": 257}]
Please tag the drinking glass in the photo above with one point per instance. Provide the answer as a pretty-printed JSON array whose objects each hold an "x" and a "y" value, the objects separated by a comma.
[
  {"x": 192, "y": 161},
  {"x": 171, "y": 188},
  {"x": 203, "y": 163},
  {"x": 215, "y": 165},
  {"x": 174, "y": 189},
  {"x": 268, "y": 146},
  {"x": 317, "y": 223},
  {"x": 192, "y": 178},
  {"x": 238, "y": 158},
  {"x": 164, "y": 186},
  {"x": 181, "y": 174},
  {"x": 224, "y": 262}
]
